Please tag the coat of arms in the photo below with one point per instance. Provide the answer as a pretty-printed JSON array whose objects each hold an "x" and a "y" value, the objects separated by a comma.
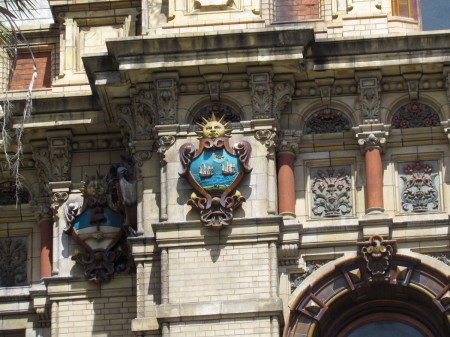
[
  {"x": 102, "y": 223},
  {"x": 214, "y": 170}
]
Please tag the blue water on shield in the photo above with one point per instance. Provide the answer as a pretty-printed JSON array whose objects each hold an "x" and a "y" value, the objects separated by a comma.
[{"x": 215, "y": 171}]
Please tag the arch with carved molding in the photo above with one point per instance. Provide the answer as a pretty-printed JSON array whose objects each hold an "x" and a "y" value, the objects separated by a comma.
[
  {"x": 429, "y": 102},
  {"x": 415, "y": 286},
  {"x": 233, "y": 113}
]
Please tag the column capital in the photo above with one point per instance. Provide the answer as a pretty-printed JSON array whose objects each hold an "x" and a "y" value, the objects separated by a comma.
[
  {"x": 371, "y": 136},
  {"x": 288, "y": 142}
]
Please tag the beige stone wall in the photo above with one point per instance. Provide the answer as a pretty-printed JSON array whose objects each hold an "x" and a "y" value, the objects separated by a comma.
[
  {"x": 110, "y": 316},
  {"x": 238, "y": 327},
  {"x": 218, "y": 273}
]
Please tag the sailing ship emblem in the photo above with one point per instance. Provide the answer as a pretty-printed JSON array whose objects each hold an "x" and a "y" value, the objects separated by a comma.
[{"x": 214, "y": 170}]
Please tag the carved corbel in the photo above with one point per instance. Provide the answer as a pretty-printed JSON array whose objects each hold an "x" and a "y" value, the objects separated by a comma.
[
  {"x": 412, "y": 83},
  {"x": 369, "y": 100},
  {"x": 325, "y": 85},
  {"x": 144, "y": 114},
  {"x": 167, "y": 100},
  {"x": 282, "y": 96},
  {"x": 269, "y": 138},
  {"x": 262, "y": 96},
  {"x": 213, "y": 81},
  {"x": 164, "y": 143}
]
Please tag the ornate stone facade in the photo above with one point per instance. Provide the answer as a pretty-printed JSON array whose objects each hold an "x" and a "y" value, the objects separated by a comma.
[{"x": 229, "y": 168}]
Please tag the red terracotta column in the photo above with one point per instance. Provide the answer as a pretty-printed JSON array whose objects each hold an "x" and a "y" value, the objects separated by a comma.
[
  {"x": 371, "y": 147},
  {"x": 286, "y": 184},
  {"x": 46, "y": 247}
]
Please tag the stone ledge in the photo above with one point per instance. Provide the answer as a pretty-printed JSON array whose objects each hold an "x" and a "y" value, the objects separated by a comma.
[
  {"x": 220, "y": 309},
  {"x": 241, "y": 230}
]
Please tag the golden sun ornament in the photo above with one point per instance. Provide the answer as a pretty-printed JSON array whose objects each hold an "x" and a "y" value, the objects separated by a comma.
[{"x": 214, "y": 128}]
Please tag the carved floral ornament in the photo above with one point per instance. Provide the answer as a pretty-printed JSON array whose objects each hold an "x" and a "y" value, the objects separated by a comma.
[
  {"x": 415, "y": 115},
  {"x": 331, "y": 192},
  {"x": 419, "y": 186},
  {"x": 214, "y": 170},
  {"x": 101, "y": 223},
  {"x": 327, "y": 120}
]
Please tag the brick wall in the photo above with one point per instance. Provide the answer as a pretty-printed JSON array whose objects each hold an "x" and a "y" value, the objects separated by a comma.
[
  {"x": 218, "y": 273},
  {"x": 94, "y": 317},
  {"x": 24, "y": 69},
  {"x": 296, "y": 10}
]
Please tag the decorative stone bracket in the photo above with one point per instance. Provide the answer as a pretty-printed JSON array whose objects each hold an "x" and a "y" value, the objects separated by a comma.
[
  {"x": 288, "y": 141},
  {"x": 377, "y": 253}
]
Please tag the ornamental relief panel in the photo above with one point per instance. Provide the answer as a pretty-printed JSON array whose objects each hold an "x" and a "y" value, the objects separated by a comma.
[
  {"x": 13, "y": 262},
  {"x": 419, "y": 186},
  {"x": 331, "y": 192}
]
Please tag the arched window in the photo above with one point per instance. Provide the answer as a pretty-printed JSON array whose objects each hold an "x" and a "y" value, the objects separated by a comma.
[
  {"x": 219, "y": 110},
  {"x": 327, "y": 121},
  {"x": 415, "y": 115}
]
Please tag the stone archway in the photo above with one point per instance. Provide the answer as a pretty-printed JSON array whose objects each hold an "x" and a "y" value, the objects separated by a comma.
[{"x": 376, "y": 281}]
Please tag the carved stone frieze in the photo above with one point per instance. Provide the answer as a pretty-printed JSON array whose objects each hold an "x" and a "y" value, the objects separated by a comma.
[
  {"x": 282, "y": 96},
  {"x": 369, "y": 100},
  {"x": 41, "y": 157},
  {"x": 262, "y": 96},
  {"x": 377, "y": 253},
  {"x": 269, "y": 99},
  {"x": 60, "y": 158},
  {"x": 331, "y": 192},
  {"x": 166, "y": 101},
  {"x": 419, "y": 186},
  {"x": 368, "y": 141},
  {"x": 13, "y": 261}
]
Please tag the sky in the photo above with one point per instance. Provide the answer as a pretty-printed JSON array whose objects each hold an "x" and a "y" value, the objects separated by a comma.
[{"x": 436, "y": 14}]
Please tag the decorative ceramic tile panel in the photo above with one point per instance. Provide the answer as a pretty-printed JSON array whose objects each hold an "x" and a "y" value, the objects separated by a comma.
[
  {"x": 331, "y": 192},
  {"x": 13, "y": 261},
  {"x": 419, "y": 186},
  {"x": 9, "y": 194},
  {"x": 219, "y": 110},
  {"x": 327, "y": 121},
  {"x": 415, "y": 115}
]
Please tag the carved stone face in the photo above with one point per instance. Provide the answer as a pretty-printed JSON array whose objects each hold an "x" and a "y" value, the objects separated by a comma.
[{"x": 213, "y": 129}]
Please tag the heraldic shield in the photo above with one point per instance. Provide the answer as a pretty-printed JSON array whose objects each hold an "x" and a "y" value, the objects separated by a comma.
[
  {"x": 215, "y": 170},
  {"x": 102, "y": 223}
]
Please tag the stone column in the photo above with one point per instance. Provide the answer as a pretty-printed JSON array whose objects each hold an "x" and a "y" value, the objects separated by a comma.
[
  {"x": 371, "y": 144},
  {"x": 46, "y": 247},
  {"x": 287, "y": 149}
]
